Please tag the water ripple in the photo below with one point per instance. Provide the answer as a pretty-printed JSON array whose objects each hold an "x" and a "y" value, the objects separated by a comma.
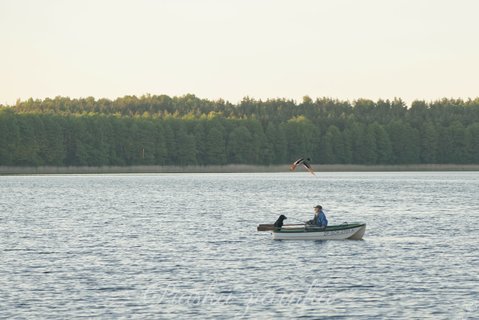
[{"x": 134, "y": 246}]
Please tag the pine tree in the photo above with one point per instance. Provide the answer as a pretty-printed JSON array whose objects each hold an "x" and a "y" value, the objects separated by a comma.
[{"x": 215, "y": 146}]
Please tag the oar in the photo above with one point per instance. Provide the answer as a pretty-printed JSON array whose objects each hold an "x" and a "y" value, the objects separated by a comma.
[{"x": 270, "y": 227}]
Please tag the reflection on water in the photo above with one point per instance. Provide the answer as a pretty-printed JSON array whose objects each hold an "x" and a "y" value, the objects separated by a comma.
[{"x": 183, "y": 245}]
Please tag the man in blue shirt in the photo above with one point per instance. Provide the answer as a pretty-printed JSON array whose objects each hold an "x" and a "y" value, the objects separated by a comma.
[{"x": 319, "y": 219}]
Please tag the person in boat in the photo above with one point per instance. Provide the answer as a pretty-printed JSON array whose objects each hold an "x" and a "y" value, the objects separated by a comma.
[{"x": 319, "y": 219}]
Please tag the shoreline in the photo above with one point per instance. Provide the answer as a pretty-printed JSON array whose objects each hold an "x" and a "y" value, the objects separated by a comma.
[{"x": 13, "y": 170}]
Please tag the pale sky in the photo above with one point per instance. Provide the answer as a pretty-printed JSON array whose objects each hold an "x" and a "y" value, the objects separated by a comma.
[{"x": 344, "y": 49}]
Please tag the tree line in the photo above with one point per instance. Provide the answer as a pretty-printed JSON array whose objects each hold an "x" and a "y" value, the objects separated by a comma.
[{"x": 162, "y": 130}]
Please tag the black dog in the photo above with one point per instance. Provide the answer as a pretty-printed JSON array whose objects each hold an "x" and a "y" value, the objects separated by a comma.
[{"x": 279, "y": 223}]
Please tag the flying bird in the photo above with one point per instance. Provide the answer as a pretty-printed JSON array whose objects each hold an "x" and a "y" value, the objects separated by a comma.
[{"x": 304, "y": 163}]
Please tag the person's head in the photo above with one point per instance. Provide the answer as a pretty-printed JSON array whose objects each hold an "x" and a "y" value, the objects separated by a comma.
[{"x": 317, "y": 208}]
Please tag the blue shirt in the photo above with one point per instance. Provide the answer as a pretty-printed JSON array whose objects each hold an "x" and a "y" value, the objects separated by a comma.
[{"x": 320, "y": 220}]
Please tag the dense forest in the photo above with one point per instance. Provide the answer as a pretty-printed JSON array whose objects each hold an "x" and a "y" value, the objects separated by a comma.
[{"x": 187, "y": 130}]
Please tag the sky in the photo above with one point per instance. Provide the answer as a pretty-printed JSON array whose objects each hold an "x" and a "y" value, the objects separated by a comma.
[{"x": 229, "y": 49}]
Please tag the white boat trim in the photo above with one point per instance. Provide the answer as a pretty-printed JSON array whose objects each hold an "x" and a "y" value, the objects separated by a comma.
[{"x": 354, "y": 233}]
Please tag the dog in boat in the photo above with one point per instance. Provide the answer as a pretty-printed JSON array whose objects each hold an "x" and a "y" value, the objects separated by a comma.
[{"x": 279, "y": 223}]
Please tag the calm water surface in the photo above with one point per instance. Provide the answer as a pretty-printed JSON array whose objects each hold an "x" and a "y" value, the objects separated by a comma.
[{"x": 185, "y": 246}]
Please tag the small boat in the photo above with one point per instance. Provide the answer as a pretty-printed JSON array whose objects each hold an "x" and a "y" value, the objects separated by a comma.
[{"x": 351, "y": 231}]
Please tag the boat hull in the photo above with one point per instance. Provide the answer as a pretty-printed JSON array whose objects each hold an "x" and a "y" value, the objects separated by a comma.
[{"x": 341, "y": 232}]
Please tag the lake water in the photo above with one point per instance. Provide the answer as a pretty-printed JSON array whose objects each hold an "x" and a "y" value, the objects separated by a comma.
[{"x": 185, "y": 246}]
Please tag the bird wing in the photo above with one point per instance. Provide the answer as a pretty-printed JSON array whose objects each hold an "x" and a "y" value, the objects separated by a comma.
[
  {"x": 293, "y": 166},
  {"x": 307, "y": 166}
]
